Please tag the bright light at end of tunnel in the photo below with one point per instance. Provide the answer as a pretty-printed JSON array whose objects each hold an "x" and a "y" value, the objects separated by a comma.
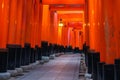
[{"x": 61, "y": 24}]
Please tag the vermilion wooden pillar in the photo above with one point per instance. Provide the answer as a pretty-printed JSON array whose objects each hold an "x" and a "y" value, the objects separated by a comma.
[
  {"x": 102, "y": 42},
  {"x": 59, "y": 37},
  {"x": 109, "y": 32},
  {"x": 80, "y": 40},
  {"x": 53, "y": 27},
  {"x": 23, "y": 26},
  {"x": 29, "y": 21},
  {"x": 72, "y": 38},
  {"x": 55, "y": 23},
  {"x": 34, "y": 23},
  {"x": 12, "y": 22},
  {"x": 77, "y": 37},
  {"x": 97, "y": 28},
  {"x": 116, "y": 23},
  {"x": 4, "y": 21},
  {"x": 40, "y": 24},
  {"x": 45, "y": 23},
  {"x": 34, "y": 26},
  {"x": 65, "y": 36},
  {"x": 85, "y": 25},
  {"x": 91, "y": 24},
  {"x": 19, "y": 17}
]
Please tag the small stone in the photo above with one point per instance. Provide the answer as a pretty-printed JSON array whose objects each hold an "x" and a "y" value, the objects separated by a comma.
[
  {"x": 19, "y": 70},
  {"x": 4, "y": 76},
  {"x": 27, "y": 67},
  {"x": 52, "y": 56},
  {"x": 45, "y": 58},
  {"x": 13, "y": 73},
  {"x": 88, "y": 75}
]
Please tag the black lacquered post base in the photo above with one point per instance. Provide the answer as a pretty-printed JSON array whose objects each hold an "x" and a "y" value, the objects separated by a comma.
[
  {"x": 100, "y": 70},
  {"x": 23, "y": 57},
  {"x": 44, "y": 48},
  {"x": 11, "y": 56},
  {"x": 27, "y": 51},
  {"x": 4, "y": 75},
  {"x": 25, "y": 54},
  {"x": 117, "y": 69},
  {"x": 39, "y": 54},
  {"x": 86, "y": 49},
  {"x": 18, "y": 56},
  {"x": 95, "y": 60},
  {"x": 90, "y": 62},
  {"x": 32, "y": 59},
  {"x": 3, "y": 60},
  {"x": 76, "y": 50},
  {"x": 108, "y": 72},
  {"x": 117, "y": 72}
]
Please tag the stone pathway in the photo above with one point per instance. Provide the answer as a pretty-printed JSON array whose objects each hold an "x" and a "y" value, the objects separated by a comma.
[{"x": 65, "y": 67}]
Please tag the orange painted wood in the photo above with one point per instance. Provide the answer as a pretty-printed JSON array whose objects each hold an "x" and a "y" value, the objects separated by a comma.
[
  {"x": 110, "y": 32},
  {"x": 85, "y": 24},
  {"x": 4, "y": 21},
  {"x": 53, "y": 27},
  {"x": 28, "y": 21},
  {"x": 38, "y": 30},
  {"x": 63, "y": 2},
  {"x": 117, "y": 24},
  {"x": 23, "y": 27},
  {"x": 12, "y": 22},
  {"x": 81, "y": 40},
  {"x": 59, "y": 37},
  {"x": 34, "y": 25},
  {"x": 65, "y": 36},
  {"x": 90, "y": 24},
  {"x": 18, "y": 33},
  {"x": 39, "y": 24},
  {"x": 45, "y": 23},
  {"x": 102, "y": 42},
  {"x": 71, "y": 37},
  {"x": 66, "y": 8}
]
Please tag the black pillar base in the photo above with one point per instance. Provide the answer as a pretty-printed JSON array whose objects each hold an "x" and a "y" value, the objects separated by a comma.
[
  {"x": 18, "y": 56},
  {"x": 86, "y": 49},
  {"x": 32, "y": 55},
  {"x": 27, "y": 48},
  {"x": 117, "y": 69},
  {"x": 108, "y": 72},
  {"x": 117, "y": 72},
  {"x": 100, "y": 70},
  {"x": 11, "y": 56},
  {"x": 95, "y": 60},
  {"x": 23, "y": 57},
  {"x": 25, "y": 54},
  {"x": 76, "y": 50},
  {"x": 39, "y": 54},
  {"x": 3, "y": 60},
  {"x": 90, "y": 62},
  {"x": 35, "y": 55},
  {"x": 44, "y": 48}
]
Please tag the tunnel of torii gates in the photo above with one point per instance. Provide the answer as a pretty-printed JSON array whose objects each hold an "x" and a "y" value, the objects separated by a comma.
[{"x": 94, "y": 22}]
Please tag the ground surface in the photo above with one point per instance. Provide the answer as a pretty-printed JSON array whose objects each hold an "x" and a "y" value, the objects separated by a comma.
[{"x": 65, "y": 67}]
